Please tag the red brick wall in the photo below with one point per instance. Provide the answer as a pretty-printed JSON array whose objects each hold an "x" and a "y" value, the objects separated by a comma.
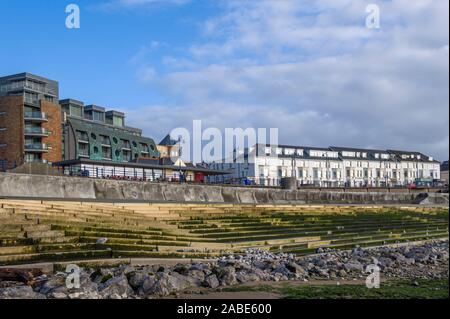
[
  {"x": 54, "y": 140},
  {"x": 13, "y": 121}
]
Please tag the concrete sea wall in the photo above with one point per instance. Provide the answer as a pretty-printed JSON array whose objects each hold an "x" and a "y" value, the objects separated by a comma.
[{"x": 40, "y": 186}]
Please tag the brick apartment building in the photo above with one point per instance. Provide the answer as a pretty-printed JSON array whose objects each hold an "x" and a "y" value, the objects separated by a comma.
[{"x": 30, "y": 119}]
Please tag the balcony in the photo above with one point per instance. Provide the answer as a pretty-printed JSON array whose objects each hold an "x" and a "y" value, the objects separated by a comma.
[
  {"x": 36, "y": 148},
  {"x": 36, "y": 116},
  {"x": 36, "y": 131},
  {"x": 33, "y": 102}
]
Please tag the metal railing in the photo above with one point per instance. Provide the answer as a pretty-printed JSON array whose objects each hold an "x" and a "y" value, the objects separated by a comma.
[
  {"x": 36, "y": 131},
  {"x": 36, "y": 147},
  {"x": 35, "y": 116}
]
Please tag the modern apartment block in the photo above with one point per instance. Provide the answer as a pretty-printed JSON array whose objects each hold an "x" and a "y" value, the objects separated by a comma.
[
  {"x": 30, "y": 119},
  {"x": 91, "y": 132},
  {"x": 332, "y": 166}
]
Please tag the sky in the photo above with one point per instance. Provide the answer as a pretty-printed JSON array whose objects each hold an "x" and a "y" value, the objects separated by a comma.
[{"x": 310, "y": 68}]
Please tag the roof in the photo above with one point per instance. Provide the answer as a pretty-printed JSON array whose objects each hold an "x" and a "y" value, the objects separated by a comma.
[
  {"x": 196, "y": 168},
  {"x": 395, "y": 155},
  {"x": 94, "y": 108},
  {"x": 23, "y": 75},
  {"x": 114, "y": 113},
  {"x": 168, "y": 141},
  {"x": 71, "y": 101}
]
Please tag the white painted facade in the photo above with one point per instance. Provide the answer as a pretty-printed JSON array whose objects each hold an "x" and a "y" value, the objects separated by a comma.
[{"x": 330, "y": 167}]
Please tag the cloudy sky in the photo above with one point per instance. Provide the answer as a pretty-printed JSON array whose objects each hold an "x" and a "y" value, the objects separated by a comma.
[{"x": 310, "y": 68}]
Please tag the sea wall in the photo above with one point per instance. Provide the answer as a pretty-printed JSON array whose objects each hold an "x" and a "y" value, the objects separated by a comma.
[{"x": 41, "y": 186}]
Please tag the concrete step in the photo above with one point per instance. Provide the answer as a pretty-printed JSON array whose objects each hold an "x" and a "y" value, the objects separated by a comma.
[
  {"x": 15, "y": 259},
  {"x": 45, "y": 234}
]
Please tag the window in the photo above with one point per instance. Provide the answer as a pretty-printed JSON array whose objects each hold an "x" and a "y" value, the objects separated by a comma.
[
  {"x": 50, "y": 99},
  {"x": 105, "y": 140},
  {"x": 126, "y": 155},
  {"x": 335, "y": 176},
  {"x": 83, "y": 149},
  {"x": 300, "y": 173},
  {"x": 76, "y": 110},
  {"x": 118, "y": 121},
  {"x": 289, "y": 151},
  {"x": 144, "y": 148},
  {"x": 98, "y": 116},
  {"x": 106, "y": 152},
  {"x": 82, "y": 136},
  {"x": 315, "y": 173},
  {"x": 261, "y": 172},
  {"x": 126, "y": 144}
]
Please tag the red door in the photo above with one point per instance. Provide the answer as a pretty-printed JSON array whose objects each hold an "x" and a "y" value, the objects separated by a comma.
[{"x": 199, "y": 177}]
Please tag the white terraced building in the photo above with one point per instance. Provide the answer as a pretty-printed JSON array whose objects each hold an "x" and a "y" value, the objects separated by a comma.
[{"x": 328, "y": 167}]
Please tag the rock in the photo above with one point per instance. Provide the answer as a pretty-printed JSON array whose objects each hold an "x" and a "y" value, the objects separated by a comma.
[
  {"x": 296, "y": 269},
  {"x": 211, "y": 281},
  {"x": 181, "y": 269},
  {"x": 57, "y": 282},
  {"x": 353, "y": 266},
  {"x": 136, "y": 279},
  {"x": 101, "y": 241},
  {"x": 58, "y": 295},
  {"x": 147, "y": 285},
  {"x": 226, "y": 276},
  {"x": 116, "y": 288},
  {"x": 20, "y": 292},
  {"x": 282, "y": 270},
  {"x": 196, "y": 277},
  {"x": 166, "y": 284}
]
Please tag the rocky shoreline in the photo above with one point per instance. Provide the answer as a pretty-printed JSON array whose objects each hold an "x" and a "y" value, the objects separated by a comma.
[{"x": 424, "y": 261}]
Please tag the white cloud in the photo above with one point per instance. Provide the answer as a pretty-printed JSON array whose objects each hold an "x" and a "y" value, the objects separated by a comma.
[
  {"x": 313, "y": 70},
  {"x": 112, "y": 5}
]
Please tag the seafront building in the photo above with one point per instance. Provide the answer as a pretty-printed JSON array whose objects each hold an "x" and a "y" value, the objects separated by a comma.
[
  {"x": 328, "y": 167},
  {"x": 90, "y": 140},
  {"x": 30, "y": 119},
  {"x": 85, "y": 140}
]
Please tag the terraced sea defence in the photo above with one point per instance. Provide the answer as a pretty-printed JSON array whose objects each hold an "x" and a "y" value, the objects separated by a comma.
[{"x": 46, "y": 231}]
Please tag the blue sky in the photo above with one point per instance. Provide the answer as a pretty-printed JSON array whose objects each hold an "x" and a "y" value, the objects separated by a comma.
[
  {"x": 95, "y": 63},
  {"x": 310, "y": 67}
]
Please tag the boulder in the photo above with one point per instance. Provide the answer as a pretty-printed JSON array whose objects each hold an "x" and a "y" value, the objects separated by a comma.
[
  {"x": 20, "y": 292},
  {"x": 211, "y": 281},
  {"x": 116, "y": 288}
]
